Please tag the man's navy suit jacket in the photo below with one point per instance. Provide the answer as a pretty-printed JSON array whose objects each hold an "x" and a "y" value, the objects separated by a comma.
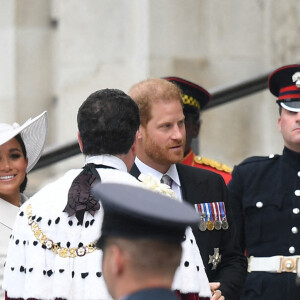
[{"x": 203, "y": 186}]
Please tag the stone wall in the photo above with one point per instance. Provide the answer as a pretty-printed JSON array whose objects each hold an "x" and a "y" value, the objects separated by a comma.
[{"x": 53, "y": 54}]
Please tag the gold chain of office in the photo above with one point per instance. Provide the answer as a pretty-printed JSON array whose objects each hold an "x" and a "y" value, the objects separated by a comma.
[{"x": 55, "y": 247}]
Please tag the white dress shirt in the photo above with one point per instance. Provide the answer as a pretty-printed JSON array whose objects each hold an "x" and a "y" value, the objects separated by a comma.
[{"x": 172, "y": 173}]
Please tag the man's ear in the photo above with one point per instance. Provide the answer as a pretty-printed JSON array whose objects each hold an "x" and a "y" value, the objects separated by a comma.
[
  {"x": 118, "y": 260},
  {"x": 279, "y": 123},
  {"x": 134, "y": 145},
  {"x": 139, "y": 133},
  {"x": 79, "y": 141}
]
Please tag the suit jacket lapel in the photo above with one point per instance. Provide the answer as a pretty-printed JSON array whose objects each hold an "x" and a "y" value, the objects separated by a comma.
[
  {"x": 190, "y": 185},
  {"x": 135, "y": 171},
  {"x": 183, "y": 182}
]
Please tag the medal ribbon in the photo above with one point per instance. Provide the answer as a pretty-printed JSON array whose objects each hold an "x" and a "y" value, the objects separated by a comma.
[
  {"x": 207, "y": 211},
  {"x": 204, "y": 211},
  {"x": 211, "y": 214},
  {"x": 219, "y": 214},
  {"x": 223, "y": 204},
  {"x": 222, "y": 209},
  {"x": 198, "y": 208},
  {"x": 214, "y": 204}
]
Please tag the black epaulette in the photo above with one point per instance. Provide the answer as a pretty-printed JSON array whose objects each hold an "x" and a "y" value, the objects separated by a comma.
[{"x": 254, "y": 159}]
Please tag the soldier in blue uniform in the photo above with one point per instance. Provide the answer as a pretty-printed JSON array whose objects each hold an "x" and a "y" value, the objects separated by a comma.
[
  {"x": 141, "y": 244},
  {"x": 265, "y": 195}
]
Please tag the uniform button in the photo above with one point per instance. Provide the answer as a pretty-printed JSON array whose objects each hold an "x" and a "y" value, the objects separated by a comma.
[
  {"x": 296, "y": 211},
  {"x": 259, "y": 204},
  {"x": 292, "y": 250},
  {"x": 271, "y": 155},
  {"x": 298, "y": 174},
  {"x": 297, "y": 193},
  {"x": 294, "y": 230}
]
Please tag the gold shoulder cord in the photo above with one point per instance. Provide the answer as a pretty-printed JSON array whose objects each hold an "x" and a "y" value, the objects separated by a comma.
[
  {"x": 212, "y": 163},
  {"x": 55, "y": 247}
]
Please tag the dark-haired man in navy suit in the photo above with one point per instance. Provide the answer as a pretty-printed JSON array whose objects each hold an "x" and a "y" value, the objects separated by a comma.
[{"x": 160, "y": 146}]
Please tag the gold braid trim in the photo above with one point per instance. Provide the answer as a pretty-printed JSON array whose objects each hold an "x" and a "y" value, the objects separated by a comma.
[
  {"x": 55, "y": 247},
  {"x": 190, "y": 101},
  {"x": 212, "y": 163}
]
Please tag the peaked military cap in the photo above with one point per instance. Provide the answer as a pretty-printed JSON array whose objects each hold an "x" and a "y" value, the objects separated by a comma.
[
  {"x": 284, "y": 83},
  {"x": 193, "y": 95},
  {"x": 135, "y": 212}
]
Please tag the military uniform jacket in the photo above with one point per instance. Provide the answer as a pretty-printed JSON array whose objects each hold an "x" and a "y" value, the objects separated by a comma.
[
  {"x": 265, "y": 194},
  {"x": 201, "y": 186}
]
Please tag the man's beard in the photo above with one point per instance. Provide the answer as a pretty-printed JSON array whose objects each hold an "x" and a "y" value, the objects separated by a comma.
[{"x": 162, "y": 154}]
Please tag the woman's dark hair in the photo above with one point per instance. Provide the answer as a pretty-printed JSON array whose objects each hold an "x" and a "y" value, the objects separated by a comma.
[{"x": 20, "y": 141}]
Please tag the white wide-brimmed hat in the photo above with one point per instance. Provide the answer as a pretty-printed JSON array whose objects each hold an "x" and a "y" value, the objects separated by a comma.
[{"x": 33, "y": 133}]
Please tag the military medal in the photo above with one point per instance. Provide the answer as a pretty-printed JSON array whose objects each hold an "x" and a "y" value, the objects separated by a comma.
[
  {"x": 209, "y": 224},
  {"x": 204, "y": 218},
  {"x": 200, "y": 209},
  {"x": 218, "y": 224},
  {"x": 215, "y": 259},
  {"x": 202, "y": 224},
  {"x": 225, "y": 224},
  {"x": 217, "y": 221}
]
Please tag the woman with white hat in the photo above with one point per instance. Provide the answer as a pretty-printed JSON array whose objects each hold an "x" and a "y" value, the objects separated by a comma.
[{"x": 20, "y": 149}]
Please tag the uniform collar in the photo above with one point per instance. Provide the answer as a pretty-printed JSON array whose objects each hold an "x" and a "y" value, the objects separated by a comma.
[
  {"x": 107, "y": 160},
  {"x": 189, "y": 158},
  {"x": 291, "y": 156}
]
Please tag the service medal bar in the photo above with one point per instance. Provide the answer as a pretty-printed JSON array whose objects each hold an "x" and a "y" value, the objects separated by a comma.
[{"x": 212, "y": 216}]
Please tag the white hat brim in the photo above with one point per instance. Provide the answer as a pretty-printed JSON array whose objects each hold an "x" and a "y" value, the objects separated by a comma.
[
  {"x": 34, "y": 134},
  {"x": 291, "y": 106}
]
